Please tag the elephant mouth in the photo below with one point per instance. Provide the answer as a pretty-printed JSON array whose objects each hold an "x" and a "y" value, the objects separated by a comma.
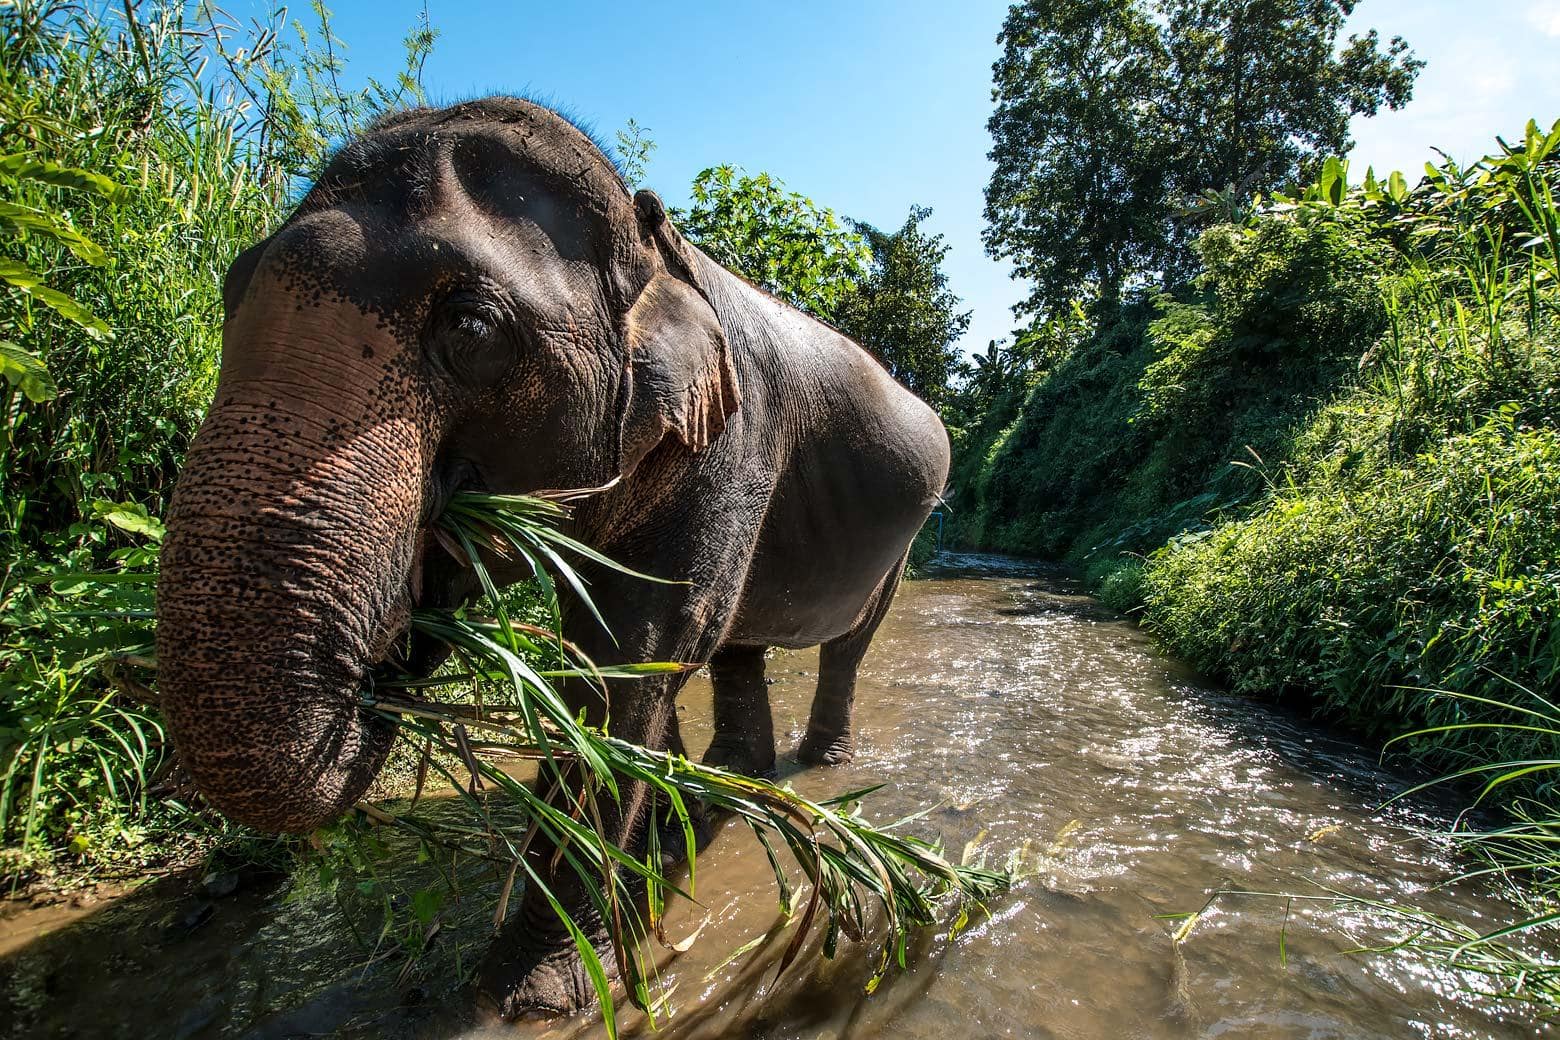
[{"x": 436, "y": 581}]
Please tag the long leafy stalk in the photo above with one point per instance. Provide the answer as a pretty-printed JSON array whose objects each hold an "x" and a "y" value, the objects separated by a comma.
[{"x": 857, "y": 874}]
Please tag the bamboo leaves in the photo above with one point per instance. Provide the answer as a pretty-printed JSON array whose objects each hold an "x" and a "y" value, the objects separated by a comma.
[
  {"x": 23, "y": 370},
  {"x": 859, "y": 878},
  {"x": 21, "y": 221}
]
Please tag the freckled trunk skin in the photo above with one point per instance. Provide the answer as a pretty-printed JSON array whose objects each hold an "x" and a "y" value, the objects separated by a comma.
[{"x": 284, "y": 579}]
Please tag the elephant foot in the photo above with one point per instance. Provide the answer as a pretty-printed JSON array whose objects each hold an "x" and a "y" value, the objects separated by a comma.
[
  {"x": 521, "y": 977},
  {"x": 674, "y": 840},
  {"x": 830, "y": 750},
  {"x": 737, "y": 757}
]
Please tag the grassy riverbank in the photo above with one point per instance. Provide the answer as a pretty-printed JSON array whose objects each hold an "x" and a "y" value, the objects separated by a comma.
[{"x": 1329, "y": 469}]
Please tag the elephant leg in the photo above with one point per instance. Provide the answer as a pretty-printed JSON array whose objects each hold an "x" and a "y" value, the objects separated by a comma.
[
  {"x": 829, "y": 740},
  {"x": 744, "y": 740},
  {"x": 533, "y": 965}
]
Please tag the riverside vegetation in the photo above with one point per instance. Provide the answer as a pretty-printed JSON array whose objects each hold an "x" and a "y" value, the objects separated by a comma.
[
  {"x": 1303, "y": 428},
  {"x": 1307, "y": 435}
]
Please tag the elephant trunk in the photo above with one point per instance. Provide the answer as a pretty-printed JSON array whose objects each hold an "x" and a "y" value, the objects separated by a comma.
[{"x": 284, "y": 579}]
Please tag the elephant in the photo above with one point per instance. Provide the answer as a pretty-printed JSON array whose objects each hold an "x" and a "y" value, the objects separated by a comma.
[{"x": 471, "y": 297}]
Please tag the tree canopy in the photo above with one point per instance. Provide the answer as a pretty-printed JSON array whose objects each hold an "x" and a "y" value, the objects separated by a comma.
[
  {"x": 779, "y": 240},
  {"x": 1115, "y": 117},
  {"x": 886, "y": 290},
  {"x": 903, "y": 311}
]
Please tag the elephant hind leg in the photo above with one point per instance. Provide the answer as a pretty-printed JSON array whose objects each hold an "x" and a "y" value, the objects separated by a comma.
[{"x": 829, "y": 739}]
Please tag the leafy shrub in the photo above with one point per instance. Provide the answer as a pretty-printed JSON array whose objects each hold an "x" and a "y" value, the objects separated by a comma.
[
  {"x": 1284, "y": 306},
  {"x": 923, "y": 548},
  {"x": 1120, "y": 584},
  {"x": 1149, "y": 428},
  {"x": 1440, "y": 575}
]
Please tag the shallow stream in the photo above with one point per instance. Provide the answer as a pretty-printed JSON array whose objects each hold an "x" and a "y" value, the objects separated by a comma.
[{"x": 1034, "y": 721}]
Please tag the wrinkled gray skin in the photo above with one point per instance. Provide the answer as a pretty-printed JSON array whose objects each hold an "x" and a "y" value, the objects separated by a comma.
[{"x": 470, "y": 297}]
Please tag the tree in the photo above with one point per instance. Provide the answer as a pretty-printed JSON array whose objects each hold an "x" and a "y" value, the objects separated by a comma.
[
  {"x": 783, "y": 242},
  {"x": 1262, "y": 92},
  {"x": 903, "y": 311},
  {"x": 1077, "y": 191},
  {"x": 1114, "y": 116}
]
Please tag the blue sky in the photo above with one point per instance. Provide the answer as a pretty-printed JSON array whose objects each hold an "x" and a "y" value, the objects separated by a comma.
[{"x": 871, "y": 106}]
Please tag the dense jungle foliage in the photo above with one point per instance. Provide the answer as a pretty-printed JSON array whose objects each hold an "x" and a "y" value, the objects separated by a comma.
[{"x": 1327, "y": 468}]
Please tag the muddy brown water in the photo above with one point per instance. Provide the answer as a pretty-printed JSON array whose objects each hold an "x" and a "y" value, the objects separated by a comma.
[{"x": 1033, "y": 721}]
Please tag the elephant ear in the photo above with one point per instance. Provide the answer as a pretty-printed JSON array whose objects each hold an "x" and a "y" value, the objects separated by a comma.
[{"x": 679, "y": 378}]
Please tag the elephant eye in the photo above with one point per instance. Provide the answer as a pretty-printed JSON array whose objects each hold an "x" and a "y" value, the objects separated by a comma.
[
  {"x": 469, "y": 339},
  {"x": 473, "y": 325}
]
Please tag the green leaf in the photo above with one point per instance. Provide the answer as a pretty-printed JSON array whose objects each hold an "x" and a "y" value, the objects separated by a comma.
[
  {"x": 130, "y": 517},
  {"x": 45, "y": 171},
  {"x": 26, "y": 372},
  {"x": 1397, "y": 187},
  {"x": 26, "y": 280},
  {"x": 24, "y": 220},
  {"x": 1334, "y": 182}
]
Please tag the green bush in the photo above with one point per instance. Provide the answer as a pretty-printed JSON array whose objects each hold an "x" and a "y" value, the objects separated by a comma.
[
  {"x": 1443, "y": 574},
  {"x": 1149, "y": 428},
  {"x": 923, "y": 548},
  {"x": 1119, "y": 584},
  {"x": 1285, "y": 309}
]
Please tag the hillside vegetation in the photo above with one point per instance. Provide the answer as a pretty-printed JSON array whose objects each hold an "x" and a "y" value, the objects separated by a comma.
[{"x": 1327, "y": 468}]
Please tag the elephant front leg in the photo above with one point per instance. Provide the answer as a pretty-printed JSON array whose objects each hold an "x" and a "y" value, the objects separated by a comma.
[
  {"x": 534, "y": 966},
  {"x": 744, "y": 740}
]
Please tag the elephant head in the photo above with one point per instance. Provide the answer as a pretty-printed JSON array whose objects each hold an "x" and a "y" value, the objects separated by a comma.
[{"x": 467, "y": 297}]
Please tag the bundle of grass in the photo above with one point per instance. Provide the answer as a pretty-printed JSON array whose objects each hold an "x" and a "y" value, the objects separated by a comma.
[{"x": 853, "y": 871}]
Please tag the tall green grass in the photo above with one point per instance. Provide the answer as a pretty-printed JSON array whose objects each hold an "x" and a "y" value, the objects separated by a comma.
[
  {"x": 1328, "y": 469},
  {"x": 1412, "y": 540},
  {"x": 141, "y": 148},
  {"x": 1403, "y": 572}
]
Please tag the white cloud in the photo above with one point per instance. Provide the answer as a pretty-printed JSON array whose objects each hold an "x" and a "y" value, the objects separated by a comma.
[
  {"x": 1492, "y": 82},
  {"x": 1544, "y": 16}
]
